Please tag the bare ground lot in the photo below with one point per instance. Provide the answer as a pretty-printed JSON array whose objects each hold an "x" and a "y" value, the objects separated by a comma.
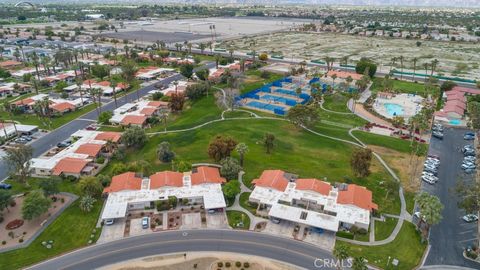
[
  {"x": 455, "y": 58},
  {"x": 199, "y": 260},
  {"x": 152, "y": 36}
]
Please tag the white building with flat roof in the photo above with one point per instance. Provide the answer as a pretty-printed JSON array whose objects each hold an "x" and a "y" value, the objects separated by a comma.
[
  {"x": 312, "y": 202},
  {"x": 128, "y": 191}
]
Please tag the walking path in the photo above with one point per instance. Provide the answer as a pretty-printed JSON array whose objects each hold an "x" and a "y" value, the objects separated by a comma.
[{"x": 404, "y": 215}]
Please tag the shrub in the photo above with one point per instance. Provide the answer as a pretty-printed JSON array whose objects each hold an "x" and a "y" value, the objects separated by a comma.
[
  {"x": 228, "y": 264},
  {"x": 12, "y": 203},
  {"x": 220, "y": 264},
  {"x": 100, "y": 160},
  {"x": 246, "y": 264},
  {"x": 14, "y": 224},
  {"x": 20, "y": 240},
  {"x": 4, "y": 242},
  {"x": 238, "y": 264}
]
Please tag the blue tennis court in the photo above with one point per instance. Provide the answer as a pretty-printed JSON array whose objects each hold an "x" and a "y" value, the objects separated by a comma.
[
  {"x": 264, "y": 106},
  {"x": 279, "y": 99},
  {"x": 286, "y": 92}
]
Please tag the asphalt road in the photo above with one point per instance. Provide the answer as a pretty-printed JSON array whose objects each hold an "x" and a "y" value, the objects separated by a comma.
[
  {"x": 452, "y": 234},
  {"x": 296, "y": 253},
  {"x": 51, "y": 139}
]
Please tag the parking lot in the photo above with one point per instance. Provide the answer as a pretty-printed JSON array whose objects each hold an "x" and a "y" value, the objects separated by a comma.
[{"x": 452, "y": 234}]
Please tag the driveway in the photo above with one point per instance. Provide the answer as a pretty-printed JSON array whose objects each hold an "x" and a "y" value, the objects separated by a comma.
[
  {"x": 112, "y": 232},
  {"x": 451, "y": 235},
  {"x": 217, "y": 220}
]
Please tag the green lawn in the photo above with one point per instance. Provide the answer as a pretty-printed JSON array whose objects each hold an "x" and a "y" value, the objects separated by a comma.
[
  {"x": 384, "y": 229},
  {"x": 336, "y": 102},
  {"x": 295, "y": 151},
  {"x": 386, "y": 141},
  {"x": 407, "y": 248},
  {"x": 71, "y": 230},
  {"x": 243, "y": 200},
  {"x": 234, "y": 114},
  {"x": 55, "y": 122},
  {"x": 194, "y": 113},
  {"x": 409, "y": 201},
  {"x": 401, "y": 86},
  {"x": 238, "y": 219},
  {"x": 33, "y": 183}
]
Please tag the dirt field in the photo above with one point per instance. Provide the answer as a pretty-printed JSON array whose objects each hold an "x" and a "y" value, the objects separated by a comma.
[
  {"x": 199, "y": 261},
  {"x": 456, "y": 59},
  {"x": 400, "y": 162}
]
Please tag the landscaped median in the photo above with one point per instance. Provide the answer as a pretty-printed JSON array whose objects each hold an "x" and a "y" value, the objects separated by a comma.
[
  {"x": 72, "y": 229},
  {"x": 238, "y": 219},
  {"x": 407, "y": 248}
]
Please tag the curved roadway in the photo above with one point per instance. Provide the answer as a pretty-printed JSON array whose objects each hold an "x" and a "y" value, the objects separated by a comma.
[{"x": 293, "y": 252}]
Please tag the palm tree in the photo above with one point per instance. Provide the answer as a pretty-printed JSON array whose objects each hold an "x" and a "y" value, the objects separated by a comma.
[
  {"x": 217, "y": 60},
  {"x": 113, "y": 84},
  {"x": 340, "y": 252},
  {"x": 35, "y": 84},
  {"x": 163, "y": 115},
  {"x": 176, "y": 86},
  {"x": 242, "y": 65},
  {"x": 231, "y": 50},
  {"x": 79, "y": 83},
  {"x": 241, "y": 149},
  {"x": 96, "y": 93},
  {"x": 425, "y": 66},
  {"x": 415, "y": 59},
  {"x": 202, "y": 47},
  {"x": 434, "y": 66},
  {"x": 349, "y": 81},
  {"x": 401, "y": 66},
  {"x": 35, "y": 64},
  {"x": 430, "y": 209},
  {"x": 129, "y": 69},
  {"x": 393, "y": 61},
  {"x": 334, "y": 77},
  {"x": 7, "y": 107},
  {"x": 359, "y": 263}
]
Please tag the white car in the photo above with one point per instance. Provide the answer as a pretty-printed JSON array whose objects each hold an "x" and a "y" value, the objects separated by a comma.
[
  {"x": 432, "y": 178},
  {"x": 109, "y": 222},
  {"x": 470, "y": 218},
  {"x": 431, "y": 182}
]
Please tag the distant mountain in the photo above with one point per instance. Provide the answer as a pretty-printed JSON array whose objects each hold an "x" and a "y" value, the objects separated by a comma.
[{"x": 419, "y": 3}]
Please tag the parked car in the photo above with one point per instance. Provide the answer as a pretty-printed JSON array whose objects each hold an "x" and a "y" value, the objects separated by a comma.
[
  {"x": 469, "y": 171},
  {"x": 109, "y": 221},
  {"x": 25, "y": 137},
  {"x": 5, "y": 186},
  {"x": 431, "y": 182},
  {"x": 469, "y": 137},
  {"x": 470, "y": 218},
  {"x": 211, "y": 211},
  {"x": 276, "y": 220},
  {"x": 92, "y": 127},
  {"x": 437, "y": 135},
  {"x": 145, "y": 221},
  {"x": 64, "y": 144},
  {"x": 468, "y": 166}
]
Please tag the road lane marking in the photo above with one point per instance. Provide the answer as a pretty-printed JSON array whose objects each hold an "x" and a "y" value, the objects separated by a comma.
[{"x": 217, "y": 241}]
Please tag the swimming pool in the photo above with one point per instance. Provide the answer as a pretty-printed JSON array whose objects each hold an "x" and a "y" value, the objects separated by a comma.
[
  {"x": 455, "y": 122},
  {"x": 394, "y": 109}
]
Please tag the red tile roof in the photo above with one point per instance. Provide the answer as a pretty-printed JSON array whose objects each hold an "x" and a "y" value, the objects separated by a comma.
[
  {"x": 272, "y": 179},
  {"x": 124, "y": 181},
  {"x": 90, "y": 149},
  {"x": 26, "y": 101},
  {"x": 205, "y": 174},
  {"x": 62, "y": 107},
  {"x": 466, "y": 90},
  {"x": 314, "y": 185},
  {"x": 134, "y": 120},
  {"x": 358, "y": 196},
  {"x": 157, "y": 103},
  {"x": 149, "y": 111},
  {"x": 166, "y": 179},
  {"x": 109, "y": 135},
  {"x": 70, "y": 165},
  {"x": 10, "y": 63}
]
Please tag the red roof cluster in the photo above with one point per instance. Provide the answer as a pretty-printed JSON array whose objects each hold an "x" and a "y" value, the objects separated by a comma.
[
  {"x": 272, "y": 178},
  {"x": 358, "y": 196},
  {"x": 166, "y": 179},
  {"x": 109, "y": 136},
  {"x": 205, "y": 174},
  {"x": 70, "y": 165},
  {"x": 90, "y": 149},
  {"x": 314, "y": 185},
  {"x": 124, "y": 181}
]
